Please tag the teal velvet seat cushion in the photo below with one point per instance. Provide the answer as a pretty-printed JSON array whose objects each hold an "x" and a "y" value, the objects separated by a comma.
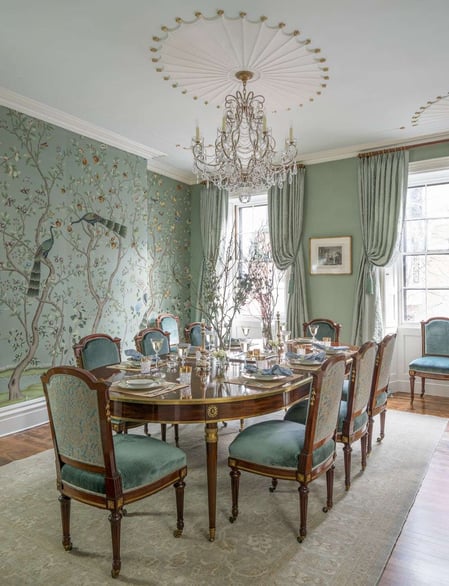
[
  {"x": 381, "y": 399},
  {"x": 276, "y": 443},
  {"x": 345, "y": 390},
  {"x": 435, "y": 364},
  {"x": 100, "y": 352},
  {"x": 140, "y": 460},
  {"x": 359, "y": 421}
]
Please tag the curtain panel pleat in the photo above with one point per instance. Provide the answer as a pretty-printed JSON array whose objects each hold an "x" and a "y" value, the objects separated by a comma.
[
  {"x": 285, "y": 221},
  {"x": 382, "y": 189}
]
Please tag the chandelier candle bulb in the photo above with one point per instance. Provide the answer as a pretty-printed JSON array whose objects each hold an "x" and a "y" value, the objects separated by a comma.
[
  {"x": 290, "y": 136},
  {"x": 197, "y": 133}
]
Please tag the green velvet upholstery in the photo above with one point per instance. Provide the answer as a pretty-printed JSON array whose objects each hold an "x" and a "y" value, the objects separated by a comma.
[
  {"x": 195, "y": 336},
  {"x": 147, "y": 346},
  {"x": 436, "y": 339},
  {"x": 169, "y": 323},
  {"x": 345, "y": 390},
  {"x": 327, "y": 328},
  {"x": 433, "y": 364},
  {"x": 359, "y": 421},
  {"x": 275, "y": 443},
  {"x": 298, "y": 413},
  {"x": 381, "y": 399},
  {"x": 99, "y": 352},
  {"x": 140, "y": 460}
]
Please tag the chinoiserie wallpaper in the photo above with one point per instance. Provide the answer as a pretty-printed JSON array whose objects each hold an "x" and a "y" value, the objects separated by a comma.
[{"x": 90, "y": 242}]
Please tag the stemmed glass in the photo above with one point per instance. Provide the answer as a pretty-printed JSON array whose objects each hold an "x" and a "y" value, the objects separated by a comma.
[
  {"x": 157, "y": 347},
  {"x": 182, "y": 352},
  {"x": 314, "y": 331},
  {"x": 245, "y": 331}
]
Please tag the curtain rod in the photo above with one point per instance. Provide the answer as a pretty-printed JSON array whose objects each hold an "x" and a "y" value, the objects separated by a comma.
[{"x": 402, "y": 148}]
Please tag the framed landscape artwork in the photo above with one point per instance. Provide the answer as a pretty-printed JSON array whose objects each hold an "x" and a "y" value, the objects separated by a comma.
[{"x": 331, "y": 256}]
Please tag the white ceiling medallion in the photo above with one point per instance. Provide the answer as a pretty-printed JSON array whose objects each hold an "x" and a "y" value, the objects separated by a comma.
[
  {"x": 200, "y": 58},
  {"x": 433, "y": 112}
]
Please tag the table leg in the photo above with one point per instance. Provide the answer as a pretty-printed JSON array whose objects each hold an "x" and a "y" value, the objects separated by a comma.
[{"x": 211, "y": 437}]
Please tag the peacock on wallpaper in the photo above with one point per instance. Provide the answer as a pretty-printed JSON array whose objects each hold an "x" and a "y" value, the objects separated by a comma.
[{"x": 90, "y": 241}]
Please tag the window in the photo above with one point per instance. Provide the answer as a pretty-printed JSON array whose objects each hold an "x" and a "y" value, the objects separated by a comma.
[
  {"x": 425, "y": 242},
  {"x": 253, "y": 245}
]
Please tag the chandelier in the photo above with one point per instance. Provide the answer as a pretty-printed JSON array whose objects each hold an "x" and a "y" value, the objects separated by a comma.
[{"x": 244, "y": 160}]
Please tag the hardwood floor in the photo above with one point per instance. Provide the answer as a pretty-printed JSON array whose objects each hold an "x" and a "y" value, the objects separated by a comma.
[{"x": 420, "y": 554}]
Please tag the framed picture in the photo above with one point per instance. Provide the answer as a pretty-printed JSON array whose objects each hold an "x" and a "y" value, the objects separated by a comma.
[{"x": 331, "y": 256}]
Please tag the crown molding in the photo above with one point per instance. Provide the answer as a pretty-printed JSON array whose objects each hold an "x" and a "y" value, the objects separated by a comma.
[{"x": 68, "y": 122}]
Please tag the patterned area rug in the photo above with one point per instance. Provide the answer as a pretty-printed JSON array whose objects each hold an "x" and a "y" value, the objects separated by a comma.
[{"x": 349, "y": 545}]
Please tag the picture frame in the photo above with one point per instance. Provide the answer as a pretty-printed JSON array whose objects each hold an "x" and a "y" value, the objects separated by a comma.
[{"x": 330, "y": 256}]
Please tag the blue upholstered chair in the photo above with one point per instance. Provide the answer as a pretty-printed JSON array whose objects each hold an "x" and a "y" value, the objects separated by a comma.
[
  {"x": 192, "y": 333},
  {"x": 97, "y": 468},
  {"x": 144, "y": 337},
  {"x": 326, "y": 329},
  {"x": 97, "y": 350},
  {"x": 434, "y": 362},
  {"x": 167, "y": 322},
  {"x": 287, "y": 450},
  {"x": 353, "y": 417}
]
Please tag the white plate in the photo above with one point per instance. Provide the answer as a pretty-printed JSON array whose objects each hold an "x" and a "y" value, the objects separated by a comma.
[
  {"x": 138, "y": 383},
  {"x": 265, "y": 377}
]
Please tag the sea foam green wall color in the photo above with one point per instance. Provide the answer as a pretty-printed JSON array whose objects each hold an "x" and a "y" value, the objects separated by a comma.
[
  {"x": 90, "y": 242},
  {"x": 332, "y": 209}
]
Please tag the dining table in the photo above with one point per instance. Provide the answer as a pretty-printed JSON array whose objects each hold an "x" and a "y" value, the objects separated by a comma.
[{"x": 208, "y": 399}]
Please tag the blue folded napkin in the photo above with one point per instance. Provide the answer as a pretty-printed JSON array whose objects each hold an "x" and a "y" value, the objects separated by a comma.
[
  {"x": 312, "y": 356},
  {"x": 332, "y": 348},
  {"x": 133, "y": 354},
  {"x": 274, "y": 370}
]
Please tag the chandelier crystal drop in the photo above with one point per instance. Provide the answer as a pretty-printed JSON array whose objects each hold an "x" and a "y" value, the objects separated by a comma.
[{"x": 244, "y": 160}]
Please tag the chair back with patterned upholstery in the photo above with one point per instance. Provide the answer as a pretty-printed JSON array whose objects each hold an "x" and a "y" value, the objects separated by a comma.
[
  {"x": 327, "y": 328},
  {"x": 381, "y": 377},
  {"x": 322, "y": 415},
  {"x": 97, "y": 350},
  {"x": 143, "y": 341},
  {"x": 361, "y": 379},
  {"x": 168, "y": 322},
  {"x": 435, "y": 336},
  {"x": 77, "y": 406}
]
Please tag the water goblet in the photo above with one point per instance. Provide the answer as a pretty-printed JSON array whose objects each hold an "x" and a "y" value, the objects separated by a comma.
[
  {"x": 182, "y": 352},
  {"x": 314, "y": 331},
  {"x": 245, "y": 331},
  {"x": 157, "y": 347}
]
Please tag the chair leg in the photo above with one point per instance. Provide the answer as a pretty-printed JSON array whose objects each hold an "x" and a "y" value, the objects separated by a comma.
[
  {"x": 235, "y": 480},
  {"x": 382, "y": 425},
  {"x": 412, "y": 389},
  {"x": 363, "y": 444},
  {"x": 164, "y": 432},
  {"x": 65, "y": 503},
  {"x": 347, "y": 449},
  {"x": 176, "y": 426},
  {"x": 303, "y": 503},
  {"x": 115, "y": 519},
  {"x": 179, "y": 488},
  {"x": 423, "y": 386},
  {"x": 330, "y": 489},
  {"x": 370, "y": 434},
  {"x": 274, "y": 483}
]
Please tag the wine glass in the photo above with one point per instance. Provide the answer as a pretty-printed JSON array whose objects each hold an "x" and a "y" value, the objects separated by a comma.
[
  {"x": 182, "y": 352},
  {"x": 245, "y": 331},
  {"x": 313, "y": 329},
  {"x": 157, "y": 347}
]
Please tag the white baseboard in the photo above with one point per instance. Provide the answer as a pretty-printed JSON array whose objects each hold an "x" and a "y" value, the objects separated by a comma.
[{"x": 21, "y": 416}]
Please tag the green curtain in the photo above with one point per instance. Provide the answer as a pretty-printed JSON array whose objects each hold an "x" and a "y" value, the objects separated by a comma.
[
  {"x": 213, "y": 223},
  {"x": 382, "y": 188},
  {"x": 285, "y": 221}
]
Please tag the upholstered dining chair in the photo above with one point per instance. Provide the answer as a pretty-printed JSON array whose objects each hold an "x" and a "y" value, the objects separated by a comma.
[
  {"x": 379, "y": 390},
  {"x": 326, "y": 329},
  {"x": 192, "y": 333},
  {"x": 97, "y": 350},
  {"x": 434, "y": 362},
  {"x": 353, "y": 412},
  {"x": 99, "y": 469},
  {"x": 168, "y": 322},
  {"x": 287, "y": 450},
  {"x": 143, "y": 341}
]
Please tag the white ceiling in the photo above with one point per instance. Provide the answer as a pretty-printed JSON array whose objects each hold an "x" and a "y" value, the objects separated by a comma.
[{"x": 87, "y": 65}]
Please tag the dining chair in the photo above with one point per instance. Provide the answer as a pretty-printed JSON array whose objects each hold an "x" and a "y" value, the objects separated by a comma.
[
  {"x": 434, "y": 360},
  {"x": 168, "y": 322},
  {"x": 287, "y": 450},
  {"x": 192, "y": 333},
  {"x": 379, "y": 390},
  {"x": 143, "y": 342},
  {"x": 94, "y": 351},
  {"x": 353, "y": 412},
  {"x": 326, "y": 329},
  {"x": 97, "y": 468}
]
